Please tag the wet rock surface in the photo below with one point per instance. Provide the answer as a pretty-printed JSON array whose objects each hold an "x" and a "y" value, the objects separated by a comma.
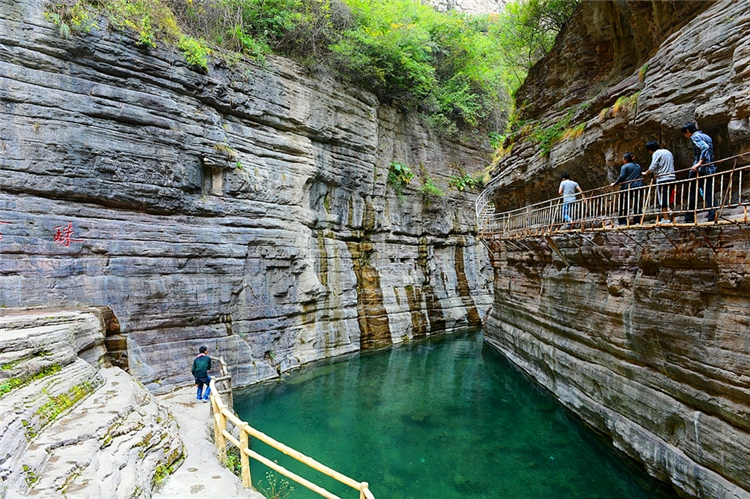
[{"x": 246, "y": 209}]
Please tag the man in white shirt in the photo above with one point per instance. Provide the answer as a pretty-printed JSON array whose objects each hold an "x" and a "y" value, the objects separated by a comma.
[
  {"x": 568, "y": 190},
  {"x": 662, "y": 167}
]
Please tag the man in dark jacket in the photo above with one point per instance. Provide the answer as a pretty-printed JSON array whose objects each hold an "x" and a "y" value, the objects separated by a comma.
[
  {"x": 201, "y": 365},
  {"x": 630, "y": 178}
]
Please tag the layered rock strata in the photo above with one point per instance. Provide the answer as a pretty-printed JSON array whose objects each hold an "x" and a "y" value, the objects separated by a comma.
[
  {"x": 643, "y": 336},
  {"x": 68, "y": 427},
  {"x": 642, "y": 333},
  {"x": 247, "y": 209},
  {"x": 620, "y": 74}
]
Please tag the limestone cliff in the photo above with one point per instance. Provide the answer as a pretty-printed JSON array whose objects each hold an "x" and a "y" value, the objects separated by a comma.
[
  {"x": 475, "y": 7},
  {"x": 247, "y": 208},
  {"x": 642, "y": 333}
]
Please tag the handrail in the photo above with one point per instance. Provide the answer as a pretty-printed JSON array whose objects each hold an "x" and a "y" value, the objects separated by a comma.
[
  {"x": 225, "y": 379},
  {"x": 222, "y": 414},
  {"x": 607, "y": 208}
]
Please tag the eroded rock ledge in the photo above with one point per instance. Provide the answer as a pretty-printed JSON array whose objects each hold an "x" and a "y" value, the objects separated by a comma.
[
  {"x": 246, "y": 209},
  {"x": 70, "y": 426},
  {"x": 645, "y": 339}
]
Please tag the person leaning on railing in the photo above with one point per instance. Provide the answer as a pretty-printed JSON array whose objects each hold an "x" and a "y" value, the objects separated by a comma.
[
  {"x": 662, "y": 167},
  {"x": 630, "y": 178},
  {"x": 703, "y": 157}
]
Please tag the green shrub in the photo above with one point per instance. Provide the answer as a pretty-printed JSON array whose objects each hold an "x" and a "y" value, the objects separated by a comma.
[
  {"x": 234, "y": 461},
  {"x": 150, "y": 19},
  {"x": 548, "y": 136},
  {"x": 430, "y": 190},
  {"x": 466, "y": 181},
  {"x": 496, "y": 139},
  {"x": 78, "y": 17},
  {"x": 196, "y": 52},
  {"x": 399, "y": 175}
]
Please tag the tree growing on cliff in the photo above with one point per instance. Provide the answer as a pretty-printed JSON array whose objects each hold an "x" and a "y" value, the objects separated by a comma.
[{"x": 459, "y": 70}]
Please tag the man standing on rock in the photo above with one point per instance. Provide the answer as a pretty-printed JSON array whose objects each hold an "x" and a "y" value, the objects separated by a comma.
[
  {"x": 662, "y": 167},
  {"x": 201, "y": 365},
  {"x": 630, "y": 178},
  {"x": 703, "y": 157}
]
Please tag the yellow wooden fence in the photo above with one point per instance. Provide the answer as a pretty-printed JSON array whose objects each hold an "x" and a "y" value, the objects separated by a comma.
[{"x": 223, "y": 414}]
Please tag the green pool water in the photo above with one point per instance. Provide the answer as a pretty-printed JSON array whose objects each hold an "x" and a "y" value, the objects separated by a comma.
[{"x": 442, "y": 418}]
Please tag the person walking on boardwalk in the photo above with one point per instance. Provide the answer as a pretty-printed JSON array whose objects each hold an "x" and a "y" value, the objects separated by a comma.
[
  {"x": 662, "y": 167},
  {"x": 201, "y": 365},
  {"x": 567, "y": 190},
  {"x": 703, "y": 157},
  {"x": 630, "y": 194}
]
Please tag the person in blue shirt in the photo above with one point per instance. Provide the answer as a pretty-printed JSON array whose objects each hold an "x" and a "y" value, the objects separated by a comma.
[
  {"x": 201, "y": 365},
  {"x": 703, "y": 157}
]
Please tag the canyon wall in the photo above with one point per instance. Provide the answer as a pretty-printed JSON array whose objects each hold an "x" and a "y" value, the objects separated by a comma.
[
  {"x": 646, "y": 339},
  {"x": 246, "y": 208},
  {"x": 475, "y": 7},
  {"x": 641, "y": 333},
  {"x": 626, "y": 73}
]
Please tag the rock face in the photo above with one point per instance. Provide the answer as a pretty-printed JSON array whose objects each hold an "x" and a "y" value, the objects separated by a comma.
[
  {"x": 642, "y": 333},
  {"x": 644, "y": 339},
  {"x": 629, "y": 72},
  {"x": 69, "y": 428},
  {"x": 476, "y": 7},
  {"x": 247, "y": 209}
]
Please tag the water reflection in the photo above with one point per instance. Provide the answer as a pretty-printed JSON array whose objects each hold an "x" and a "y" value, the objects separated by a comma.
[{"x": 441, "y": 418}]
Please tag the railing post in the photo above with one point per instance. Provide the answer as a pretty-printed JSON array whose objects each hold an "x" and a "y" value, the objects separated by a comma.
[
  {"x": 247, "y": 481},
  {"x": 220, "y": 424},
  {"x": 363, "y": 486}
]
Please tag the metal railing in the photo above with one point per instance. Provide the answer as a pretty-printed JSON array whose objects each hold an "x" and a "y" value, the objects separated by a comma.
[
  {"x": 223, "y": 414},
  {"x": 727, "y": 193}
]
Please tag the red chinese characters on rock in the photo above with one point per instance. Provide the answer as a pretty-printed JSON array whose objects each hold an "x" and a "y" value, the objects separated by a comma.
[{"x": 64, "y": 235}]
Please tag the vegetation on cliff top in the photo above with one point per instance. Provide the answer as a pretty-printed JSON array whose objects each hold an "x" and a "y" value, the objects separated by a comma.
[{"x": 459, "y": 70}]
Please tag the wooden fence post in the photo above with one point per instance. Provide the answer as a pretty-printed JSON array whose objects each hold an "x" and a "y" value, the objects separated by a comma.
[
  {"x": 247, "y": 481},
  {"x": 220, "y": 424}
]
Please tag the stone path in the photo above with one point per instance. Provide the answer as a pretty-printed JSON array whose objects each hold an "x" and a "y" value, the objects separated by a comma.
[{"x": 201, "y": 473}]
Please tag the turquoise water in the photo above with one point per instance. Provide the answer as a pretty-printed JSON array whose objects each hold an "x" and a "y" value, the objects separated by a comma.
[{"x": 442, "y": 418}]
